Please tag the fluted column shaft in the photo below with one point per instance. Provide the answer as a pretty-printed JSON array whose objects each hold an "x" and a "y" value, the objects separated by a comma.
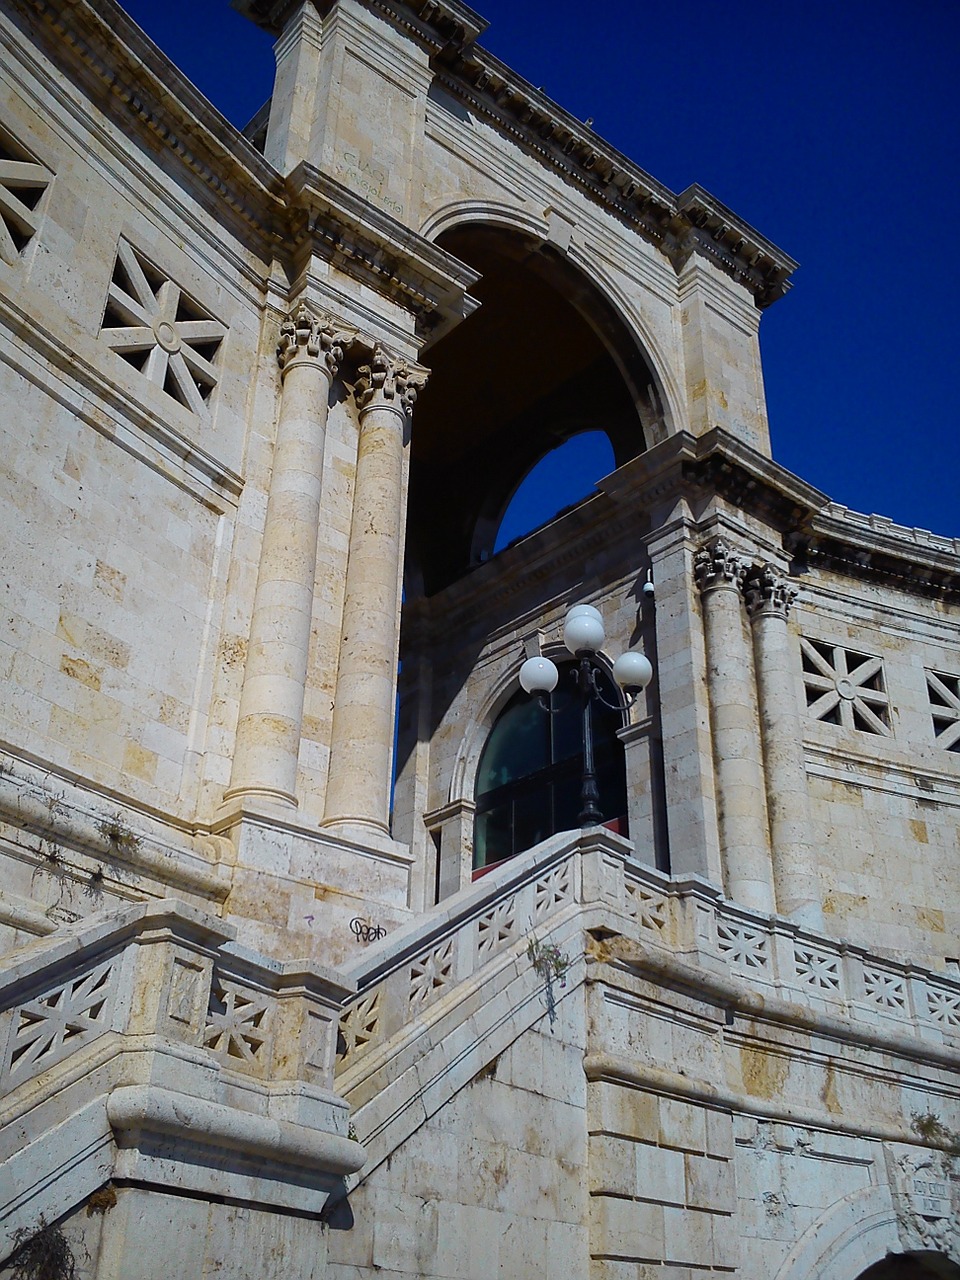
[
  {"x": 271, "y": 702},
  {"x": 361, "y": 749},
  {"x": 741, "y": 802},
  {"x": 769, "y": 597}
]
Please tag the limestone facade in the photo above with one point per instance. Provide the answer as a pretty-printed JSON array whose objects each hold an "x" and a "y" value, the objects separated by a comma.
[{"x": 265, "y": 397}]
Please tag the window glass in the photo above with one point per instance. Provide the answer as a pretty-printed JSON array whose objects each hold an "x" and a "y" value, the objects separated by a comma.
[{"x": 528, "y": 781}]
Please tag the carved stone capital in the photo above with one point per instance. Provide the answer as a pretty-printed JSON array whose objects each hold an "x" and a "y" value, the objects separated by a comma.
[
  {"x": 767, "y": 590},
  {"x": 388, "y": 382},
  {"x": 304, "y": 333},
  {"x": 717, "y": 565}
]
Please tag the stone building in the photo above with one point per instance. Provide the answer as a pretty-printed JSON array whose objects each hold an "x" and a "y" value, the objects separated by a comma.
[{"x": 265, "y": 1015}]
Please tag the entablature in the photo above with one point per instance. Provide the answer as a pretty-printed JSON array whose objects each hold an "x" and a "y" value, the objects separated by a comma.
[{"x": 693, "y": 222}]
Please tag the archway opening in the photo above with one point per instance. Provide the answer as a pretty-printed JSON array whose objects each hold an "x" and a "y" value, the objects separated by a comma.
[
  {"x": 913, "y": 1266},
  {"x": 544, "y": 358},
  {"x": 562, "y": 478},
  {"x": 528, "y": 778}
]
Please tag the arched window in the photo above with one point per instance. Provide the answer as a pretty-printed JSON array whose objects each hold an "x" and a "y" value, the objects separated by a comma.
[{"x": 528, "y": 780}]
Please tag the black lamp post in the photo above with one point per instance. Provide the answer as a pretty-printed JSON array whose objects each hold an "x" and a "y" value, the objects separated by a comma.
[{"x": 583, "y": 635}]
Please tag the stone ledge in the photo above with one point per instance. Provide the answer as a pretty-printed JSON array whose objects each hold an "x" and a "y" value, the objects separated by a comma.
[{"x": 138, "y": 1109}]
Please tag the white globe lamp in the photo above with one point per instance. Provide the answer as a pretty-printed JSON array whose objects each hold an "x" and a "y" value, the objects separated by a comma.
[
  {"x": 538, "y": 675},
  {"x": 632, "y": 670}
]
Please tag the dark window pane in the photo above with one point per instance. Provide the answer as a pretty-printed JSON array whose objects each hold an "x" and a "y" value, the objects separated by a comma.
[
  {"x": 518, "y": 745},
  {"x": 531, "y": 819},
  {"x": 567, "y": 726},
  {"x": 530, "y": 772},
  {"x": 493, "y": 841}
]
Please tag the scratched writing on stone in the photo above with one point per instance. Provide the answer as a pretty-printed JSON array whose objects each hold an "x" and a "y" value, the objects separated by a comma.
[{"x": 362, "y": 173}]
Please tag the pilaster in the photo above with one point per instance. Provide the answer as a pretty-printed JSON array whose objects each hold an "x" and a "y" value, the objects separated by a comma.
[
  {"x": 741, "y": 801},
  {"x": 769, "y": 597},
  {"x": 295, "y": 104},
  {"x": 721, "y": 351},
  {"x": 689, "y": 787}
]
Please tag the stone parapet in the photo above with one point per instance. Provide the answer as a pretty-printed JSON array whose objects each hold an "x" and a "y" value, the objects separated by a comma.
[
  {"x": 150, "y": 1025},
  {"x": 437, "y": 1000}
]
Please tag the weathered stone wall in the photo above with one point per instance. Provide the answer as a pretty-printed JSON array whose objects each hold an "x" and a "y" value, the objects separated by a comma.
[{"x": 497, "y": 1180}]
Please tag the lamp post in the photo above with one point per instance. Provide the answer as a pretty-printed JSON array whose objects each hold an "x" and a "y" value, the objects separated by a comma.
[{"x": 583, "y": 635}]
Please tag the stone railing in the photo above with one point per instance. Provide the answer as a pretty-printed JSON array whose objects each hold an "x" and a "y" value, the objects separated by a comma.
[
  {"x": 149, "y": 1030},
  {"x": 411, "y": 976},
  {"x": 405, "y": 977},
  {"x": 168, "y": 971}
]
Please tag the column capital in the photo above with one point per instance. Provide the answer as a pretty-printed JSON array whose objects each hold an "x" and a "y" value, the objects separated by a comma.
[
  {"x": 768, "y": 591},
  {"x": 315, "y": 336},
  {"x": 388, "y": 382},
  {"x": 716, "y": 564}
]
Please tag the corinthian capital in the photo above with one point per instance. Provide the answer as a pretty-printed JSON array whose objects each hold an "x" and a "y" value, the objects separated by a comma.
[
  {"x": 389, "y": 382},
  {"x": 303, "y": 333},
  {"x": 767, "y": 590},
  {"x": 716, "y": 565}
]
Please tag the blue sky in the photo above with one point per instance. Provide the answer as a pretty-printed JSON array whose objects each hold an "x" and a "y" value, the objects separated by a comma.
[{"x": 833, "y": 128}]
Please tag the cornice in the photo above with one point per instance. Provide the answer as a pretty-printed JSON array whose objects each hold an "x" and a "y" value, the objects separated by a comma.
[
  {"x": 132, "y": 81},
  {"x": 693, "y": 222},
  {"x": 876, "y": 550},
  {"x": 438, "y": 23},
  {"x": 333, "y": 222},
  {"x": 308, "y": 212},
  {"x": 816, "y": 532}
]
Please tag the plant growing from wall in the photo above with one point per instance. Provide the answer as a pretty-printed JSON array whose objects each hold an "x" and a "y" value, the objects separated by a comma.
[
  {"x": 551, "y": 964},
  {"x": 119, "y": 835},
  {"x": 548, "y": 960},
  {"x": 932, "y": 1129},
  {"x": 44, "y": 1254}
]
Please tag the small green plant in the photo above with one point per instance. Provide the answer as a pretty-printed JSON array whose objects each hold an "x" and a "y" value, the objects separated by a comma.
[
  {"x": 119, "y": 835},
  {"x": 352, "y": 1132},
  {"x": 548, "y": 960},
  {"x": 932, "y": 1129},
  {"x": 44, "y": 1254}
]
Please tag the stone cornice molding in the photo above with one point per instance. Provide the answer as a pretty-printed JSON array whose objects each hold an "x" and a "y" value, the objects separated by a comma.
[
  {"x": 389, "y": 383},
  {"x": 679, "y": 225},
  {"x": 816, "y": 532},
  {"x": 439, "y": 23},
  {"x": 133, "y": 82},
  {"x": 877, "y": 550},
  {"x": 341, "y": 226},
  {"x": 717, "y": 566},
  {"x": 305, "y": 335},
  {"x": 768, "y": 591}
]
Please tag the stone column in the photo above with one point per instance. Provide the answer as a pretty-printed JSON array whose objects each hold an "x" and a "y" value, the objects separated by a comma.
[
  {"x": 361, "y": 749},
  {"x": 271, "y": 702},
  {"x": 769, "y": 596},
  {"x": 741, "y": 802}
]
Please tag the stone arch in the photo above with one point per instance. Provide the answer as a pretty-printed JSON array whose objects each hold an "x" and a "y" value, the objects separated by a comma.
[
  {"x": 487, "y": 529},
  {"x": 846, "y": 1242},
  {"x": 457, "y": 212},
  {"x": 491, "y": 706},
  {"x": 550, "y": 353}
]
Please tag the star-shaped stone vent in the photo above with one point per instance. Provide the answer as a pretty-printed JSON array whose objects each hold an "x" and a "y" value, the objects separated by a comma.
[
  {"x": 22, "y": 184},
  {"x": 844, "y": 687},
  {"x": 150, "y": 322},
  {"x": 944, "y": 693}
]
